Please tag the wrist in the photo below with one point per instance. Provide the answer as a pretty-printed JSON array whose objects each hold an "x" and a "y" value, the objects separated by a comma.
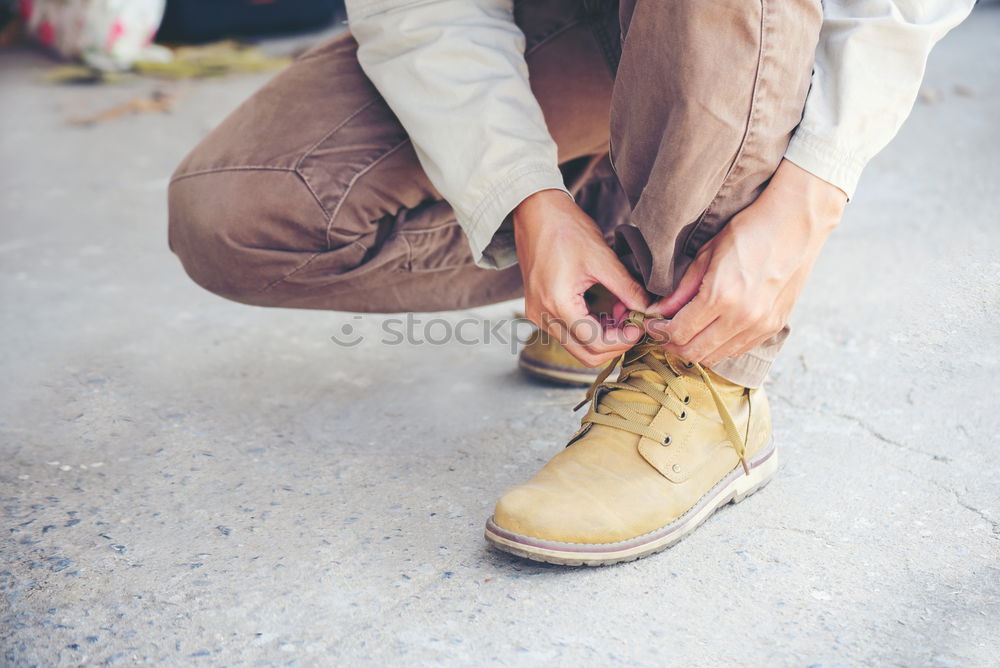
[
  {"x": 821, "y": 202},
  {"x": 532, "y": 206}
]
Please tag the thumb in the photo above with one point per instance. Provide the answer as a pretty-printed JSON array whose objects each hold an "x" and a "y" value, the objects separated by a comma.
[
  {"x": 686, "y": 290},
  {"x": 620, "y": 283}
]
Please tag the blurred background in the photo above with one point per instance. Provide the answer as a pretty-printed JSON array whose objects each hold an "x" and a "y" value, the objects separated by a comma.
[
  {"x": 188, "y": 480},
  {"x": 116, "y": 34}
]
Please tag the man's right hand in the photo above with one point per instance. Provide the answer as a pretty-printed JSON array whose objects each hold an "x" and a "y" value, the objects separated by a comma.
[{"x": 562, "y": 254}]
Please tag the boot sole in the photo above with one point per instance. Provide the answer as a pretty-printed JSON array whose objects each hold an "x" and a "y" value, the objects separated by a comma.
[
  {"x": 735, "y": 487},
  {"x": 558, "y": 374}
]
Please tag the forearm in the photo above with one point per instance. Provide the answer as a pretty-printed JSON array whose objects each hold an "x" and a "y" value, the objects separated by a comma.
[{"x": 453, "y": 71}]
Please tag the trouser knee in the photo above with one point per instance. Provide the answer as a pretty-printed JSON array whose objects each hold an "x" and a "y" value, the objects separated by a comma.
[{"x": 239, "y": 231}]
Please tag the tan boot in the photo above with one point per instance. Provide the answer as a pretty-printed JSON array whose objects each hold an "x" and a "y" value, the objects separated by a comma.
[
  {"x": 658, "y": 452},
  {"x": 544, "y": 357}
]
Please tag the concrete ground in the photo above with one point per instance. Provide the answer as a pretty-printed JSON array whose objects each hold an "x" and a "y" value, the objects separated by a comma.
[{"x": 186, "y": 480}]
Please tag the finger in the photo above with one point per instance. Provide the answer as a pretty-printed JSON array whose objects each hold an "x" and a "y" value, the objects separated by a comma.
[
  {"x": 687, "y": 288},
  {"x": 734, "y": 347},
  {"x": 617, "y": 337},
  {"x": 619, "y": 311},
  {"x": 592, "y": 355},
  {"x": 558, "y": 316},
  {"x": 615, "y": 277},
  {"x": 582, "y": 335},
  {"x": 603, "y": 341},
  {"x": 706, "y": 342},
  {"x": 586, "y": 337},
  {"x": 696, "y": 316}
]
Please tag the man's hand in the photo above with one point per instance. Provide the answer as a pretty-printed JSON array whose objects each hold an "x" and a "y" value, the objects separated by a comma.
[
  {"x": 562, "y": 253},
  {"x": 741, "y": 288}
]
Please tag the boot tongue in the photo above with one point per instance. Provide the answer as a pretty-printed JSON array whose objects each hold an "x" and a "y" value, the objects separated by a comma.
[{"x": 629, "y": 373}]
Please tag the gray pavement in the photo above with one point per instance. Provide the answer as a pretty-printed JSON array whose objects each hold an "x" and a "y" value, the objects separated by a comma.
[{"x": 185, "y": 480}]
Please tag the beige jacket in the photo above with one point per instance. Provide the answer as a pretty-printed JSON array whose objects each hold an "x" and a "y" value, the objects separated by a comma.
[{"x": 480, "y": 135}]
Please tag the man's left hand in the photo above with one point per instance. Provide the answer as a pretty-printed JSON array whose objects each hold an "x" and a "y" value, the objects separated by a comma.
[{"x": 741, "y": 287}]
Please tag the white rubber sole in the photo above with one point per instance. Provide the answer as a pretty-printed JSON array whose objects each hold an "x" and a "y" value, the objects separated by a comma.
[
  {"x": 561, "y": 375},
  {"x": 735, "y": 487}
]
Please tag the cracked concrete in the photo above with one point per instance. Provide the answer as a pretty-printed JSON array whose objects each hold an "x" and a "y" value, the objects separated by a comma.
[
  {"x": 186, "y": 480},
  {"x": 902, "y": 446}
]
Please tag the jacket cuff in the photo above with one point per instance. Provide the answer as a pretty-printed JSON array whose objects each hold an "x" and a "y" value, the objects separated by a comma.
[
  {"x": 489, "y": 227},
  {"x": 823, "y": 158}
]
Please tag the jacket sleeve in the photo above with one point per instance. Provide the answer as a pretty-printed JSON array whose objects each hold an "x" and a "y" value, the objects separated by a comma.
[
  {"x": 869, "y": 64},
  {"x": 453, "y": 72}
]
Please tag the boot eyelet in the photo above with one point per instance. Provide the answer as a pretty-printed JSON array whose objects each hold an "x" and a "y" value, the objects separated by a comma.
[
  {"x": 687, "y": 399},
  {"x": 667, "y": 441},
  {"x": 683, "y": 415},
  {"x": 688, "y": 365}
]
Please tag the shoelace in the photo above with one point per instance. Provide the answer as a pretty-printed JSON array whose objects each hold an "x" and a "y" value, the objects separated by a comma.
[{"x": 635, "y": 417}]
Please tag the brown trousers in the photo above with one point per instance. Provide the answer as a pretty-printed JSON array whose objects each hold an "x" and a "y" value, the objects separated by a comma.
[{"x": 310, "y": 195}]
